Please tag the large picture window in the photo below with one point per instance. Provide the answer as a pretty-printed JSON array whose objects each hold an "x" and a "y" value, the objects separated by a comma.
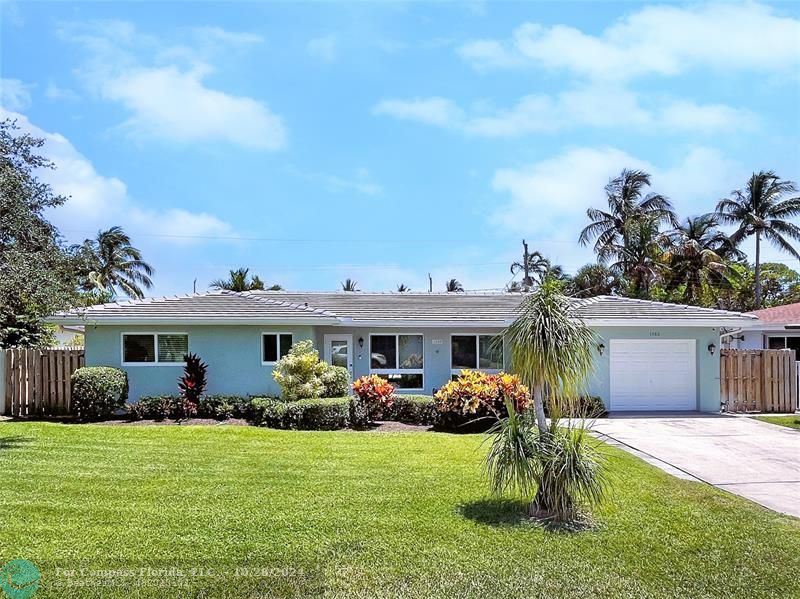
[
  {"x": 399, "y": 358},
  {"x": 785, "y": 343},
  {"x": 154, "y": 348},
  {"x": 274, "y": 346},
  {"x": 476, "y": 352}
]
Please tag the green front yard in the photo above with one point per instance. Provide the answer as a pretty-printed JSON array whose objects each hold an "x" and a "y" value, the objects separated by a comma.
[
  {"x": 792, "y": 421},
  {"x": 246, "y": 512}
]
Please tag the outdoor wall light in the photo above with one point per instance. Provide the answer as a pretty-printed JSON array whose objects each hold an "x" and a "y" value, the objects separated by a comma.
[
  {"x": 711, "y": 348},
  {"x": 601, "y": 348},
  {"x": 360, "y": 342}
]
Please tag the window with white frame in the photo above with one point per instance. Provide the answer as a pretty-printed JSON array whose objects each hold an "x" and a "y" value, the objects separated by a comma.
[
  {"x": 476, "y": 352},
  {"x": 154, "y": 348},
  {"x": 784, "y": 342},
  {"x": 398, "y": 358},
  {"x": 274, "y": 346}
]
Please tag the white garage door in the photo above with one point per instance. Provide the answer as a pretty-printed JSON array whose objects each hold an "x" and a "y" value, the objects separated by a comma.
[{"x": 653, "y": 374}]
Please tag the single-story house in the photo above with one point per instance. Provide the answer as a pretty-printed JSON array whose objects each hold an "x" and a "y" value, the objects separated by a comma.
[
  {"x": 777, "y": 328},
  {"x": 649, "y": 355}
]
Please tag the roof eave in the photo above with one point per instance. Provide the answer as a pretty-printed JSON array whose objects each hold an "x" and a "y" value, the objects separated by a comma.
[
  {"x": 182, "y": 320},
  {"x": 672, "y": 322}
]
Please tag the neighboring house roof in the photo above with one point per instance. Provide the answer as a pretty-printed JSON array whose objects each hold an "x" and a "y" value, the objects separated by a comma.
[
  {"x": 385, "y": 309},
  {"x": 787, "y": 315}
]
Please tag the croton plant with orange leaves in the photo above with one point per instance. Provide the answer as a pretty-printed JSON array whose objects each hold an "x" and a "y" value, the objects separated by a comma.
[
  {"x": 476, "y": 393},
  {"x": 375, "y": 391}
]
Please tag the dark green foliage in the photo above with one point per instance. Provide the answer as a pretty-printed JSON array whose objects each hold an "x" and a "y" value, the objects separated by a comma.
[
  {"x": 330, "y": 413},
  {"x": 109, "y": 263},
  {"x": 336, "y": 380},
  {"x": 412, "y": 409},
  {"x": 37, "y": 275},
  {"x": 584, "y": 406},
  {"x": 240, "y": 281},
  {"x": 219, "y": 407},
  {"x": 98, "y": 391}
]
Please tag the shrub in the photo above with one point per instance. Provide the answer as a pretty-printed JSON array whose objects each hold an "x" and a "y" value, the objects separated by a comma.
[
  {"x": 305, "y": 414},
  {"x": 375, "y": 393},
  {"x": 192, "y": 384},
  {"x": 336, "y": 380},
  {"x": 412, "y": 409},
  {"x": 222, "y": 407},
  {"x": 98, "y": 391},
  {"x": 585, "y": 406},
  {"x": 299, "y": 373},
  {"x": 476, "y": 396},
  {"x": 153, "y": 407}
]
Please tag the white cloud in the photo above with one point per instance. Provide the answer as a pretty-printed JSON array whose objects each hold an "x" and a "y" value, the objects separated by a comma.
[
  {"x": 165, "y": 88},
  {"x": 14, "y": 94},
  {"x": 323, "y": 48},
  {"x": 433, "y": 111},
  {"x": 592, "y": 106},
  {"x": 56, "y": 92},
  {"x": 553, "y": 194},
  {"x": 663, "y": 40},
  {"x": 96, "y": 201},
  {"x": 361, "y": 181}
]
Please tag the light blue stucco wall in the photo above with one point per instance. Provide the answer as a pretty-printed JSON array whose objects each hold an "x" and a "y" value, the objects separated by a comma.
[{"x": 233, "y": 354}]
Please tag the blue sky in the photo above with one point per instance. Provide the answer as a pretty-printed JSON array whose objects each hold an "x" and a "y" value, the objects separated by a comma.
[{"x": 314, "y": 142}]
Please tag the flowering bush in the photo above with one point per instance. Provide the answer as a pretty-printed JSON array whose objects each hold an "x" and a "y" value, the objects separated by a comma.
[
  {"x": 375, "y": 394},
  {"x": 475, "y": 394}
]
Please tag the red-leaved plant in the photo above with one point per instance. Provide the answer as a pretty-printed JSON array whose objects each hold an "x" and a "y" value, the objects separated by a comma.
[
  {"x": 192, "y": 385},
  {"x": 375, "y": 392}
]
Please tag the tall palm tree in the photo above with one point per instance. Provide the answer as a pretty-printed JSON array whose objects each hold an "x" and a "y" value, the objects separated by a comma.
[
  {"x": 350, "y": 285},
  {"x": 698, "y": 255},
  {"x": 239, "y": 281},
  {"x": 537, "y": 265},
  {"x": 453, "y": 286},
  {"x": 594, "y": 279},
  {"x": 614, "y": 231},
  {"x": 761, "y": 209},
  {"x": 639, "y": 259},
  {"x": 112, "y": 264},
  {"x": 402, "y": 288}
]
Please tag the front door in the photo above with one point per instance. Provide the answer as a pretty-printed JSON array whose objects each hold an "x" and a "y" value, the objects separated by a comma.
[{"x": 339, "y": 351}]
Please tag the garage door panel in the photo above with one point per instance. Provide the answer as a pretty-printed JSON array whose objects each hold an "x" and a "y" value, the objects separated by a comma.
[{"x": 653, "y": 374}]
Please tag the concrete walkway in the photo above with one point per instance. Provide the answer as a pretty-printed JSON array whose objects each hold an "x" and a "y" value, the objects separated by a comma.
[{"x": 741, "y": 455}]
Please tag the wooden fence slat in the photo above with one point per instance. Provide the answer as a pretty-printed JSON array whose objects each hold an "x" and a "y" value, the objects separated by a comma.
[{"x": 761, "y": 380}]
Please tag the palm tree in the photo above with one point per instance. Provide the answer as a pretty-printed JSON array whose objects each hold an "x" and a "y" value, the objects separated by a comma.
[
  {"x": 514, "y": 287},
  {"x": 453, "y": 286},
  {"x": 350, "y": 285},
  {"x": 111, "y": 263},
  {"x": 537, "y": 265},
  {"x": 551, "y": 350},
  {"x": 239, "y": 281},
  {"x": 594, "y": 279},
  {"x": 698, "y": 256},
  {"x": 612, "y": 231},
  {"x": 402, "y": 288},
  {"x": 761, "y": 210},
  {"x": 639, "y": 260}
]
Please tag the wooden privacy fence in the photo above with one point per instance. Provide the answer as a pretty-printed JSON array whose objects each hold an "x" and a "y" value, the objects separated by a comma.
[
  {"x": 758, "y": 380},
  {"x": 38, "y": 380}
]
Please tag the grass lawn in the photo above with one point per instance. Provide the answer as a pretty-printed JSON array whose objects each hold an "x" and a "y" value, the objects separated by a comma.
[
  {"x": 792, "y": 421},
  {"x": 250, "y": 512}
]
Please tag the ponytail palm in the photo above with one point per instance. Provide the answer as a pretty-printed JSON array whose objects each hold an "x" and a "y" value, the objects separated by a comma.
[{"x": 551, "y": 349}]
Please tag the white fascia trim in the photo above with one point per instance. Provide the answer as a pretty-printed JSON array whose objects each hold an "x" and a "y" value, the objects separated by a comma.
[
  {"x": 89, "y": 322},
  {"x": 655, "y": 322},
  {"x": 425, "y": 324}
]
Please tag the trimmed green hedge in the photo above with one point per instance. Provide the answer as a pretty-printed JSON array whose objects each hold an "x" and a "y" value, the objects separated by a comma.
[
  {"x": 412, "y": 409},
  {"x": 219, "y": 407},
  {"x": 98, "y": 391},
  {"x": 329, "y": 413}
]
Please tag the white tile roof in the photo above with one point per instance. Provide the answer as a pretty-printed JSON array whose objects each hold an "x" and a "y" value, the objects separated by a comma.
[{"x": 393, "y": 309}]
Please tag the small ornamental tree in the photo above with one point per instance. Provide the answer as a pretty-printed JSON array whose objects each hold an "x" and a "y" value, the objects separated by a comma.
[
  {"x": 192, "y": 385},
  {"x": 300, "y": 372}
]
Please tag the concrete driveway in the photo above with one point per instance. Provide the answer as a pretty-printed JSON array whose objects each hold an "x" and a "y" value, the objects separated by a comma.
[{"x": 753, "y": 459}]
